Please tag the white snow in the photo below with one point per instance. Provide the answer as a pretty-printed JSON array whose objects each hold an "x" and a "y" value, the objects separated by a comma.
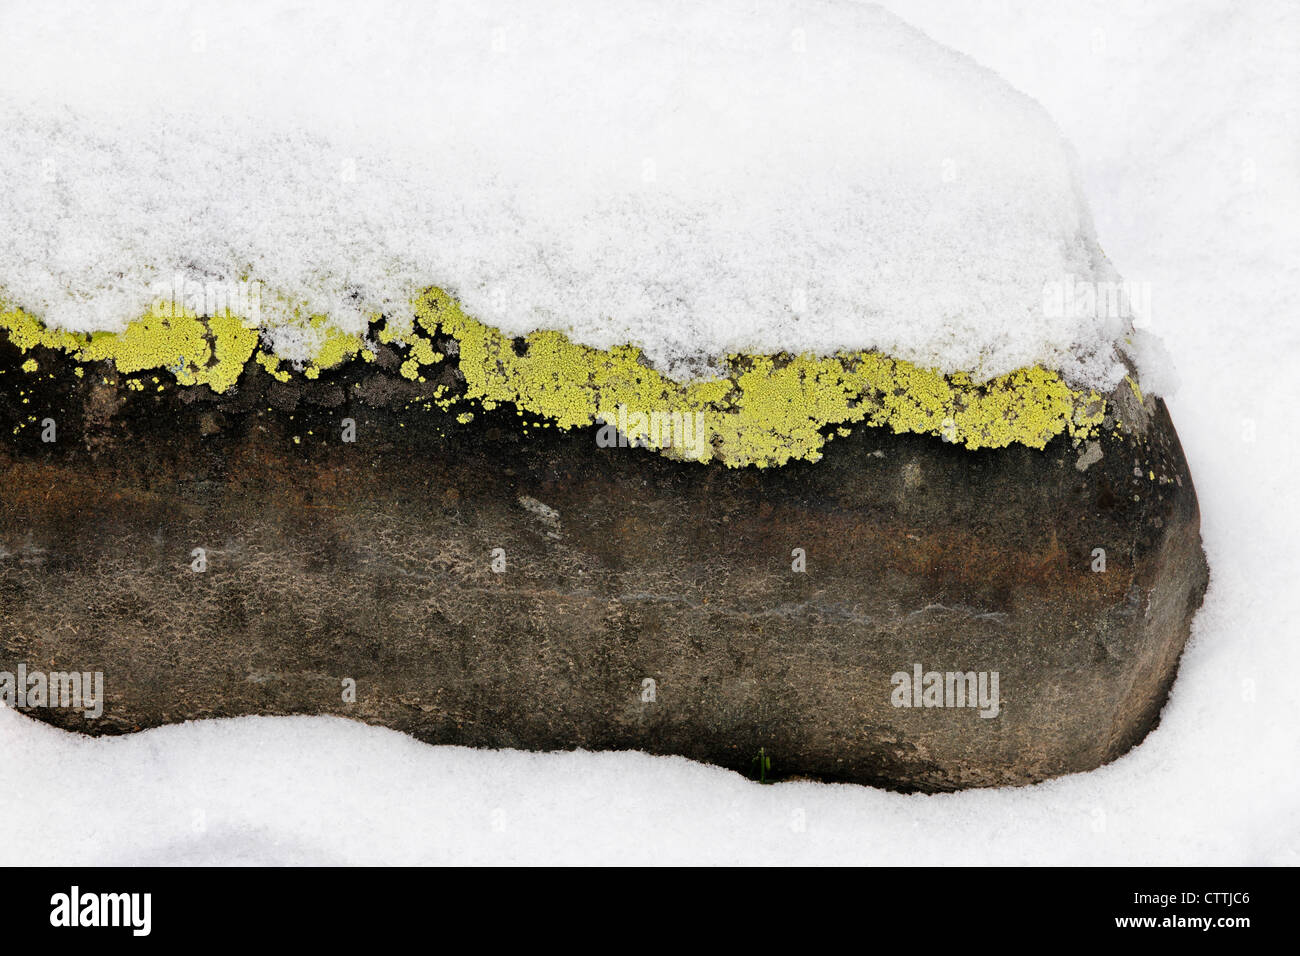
[
  {"x": 1186, "y": 123},
  {"x": 695, "y": 178}
]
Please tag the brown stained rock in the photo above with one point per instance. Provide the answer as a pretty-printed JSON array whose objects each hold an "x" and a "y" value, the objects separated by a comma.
[{"x": 373, "y": 562}]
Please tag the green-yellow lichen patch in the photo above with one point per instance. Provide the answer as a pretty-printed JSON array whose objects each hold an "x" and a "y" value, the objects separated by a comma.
[
  {"x": 271, "y": 362},
  {"x": 334, "y": 347},
  {"x": 768, "y": 409},
  {"x": 196, "y": 351},
  {"x": 421, "y": 354},
  {"x": 765, "y": 410},
  {"x": 208, "y": 352}
]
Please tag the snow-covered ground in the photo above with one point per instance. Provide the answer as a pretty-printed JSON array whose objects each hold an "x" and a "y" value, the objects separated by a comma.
[{"x": 1183, "y": 115}]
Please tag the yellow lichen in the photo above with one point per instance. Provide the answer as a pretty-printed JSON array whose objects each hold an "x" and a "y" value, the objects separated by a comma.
[
  {"x": 765, "y": 410},
  {"x": 768, "y": 409},
  {"x": 335, "y": 347},
  {"x": 271, "y": 362},
  {"x": 196, "y": 351},
  {"x": 421, "y": 353}
]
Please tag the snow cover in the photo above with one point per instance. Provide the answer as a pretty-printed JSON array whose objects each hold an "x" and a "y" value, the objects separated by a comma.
[
  {"x": 695, "y": 178},
  {"x": 1185, "y": 117}
]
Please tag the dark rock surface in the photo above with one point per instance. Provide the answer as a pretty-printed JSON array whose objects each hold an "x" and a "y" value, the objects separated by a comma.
[{"x": 373, "y": 561}]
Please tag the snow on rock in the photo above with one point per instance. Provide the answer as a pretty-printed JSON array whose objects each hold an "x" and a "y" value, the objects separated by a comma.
[
  {"x": 695, "y": 178},
  {"x": 1185, "y": 117}
]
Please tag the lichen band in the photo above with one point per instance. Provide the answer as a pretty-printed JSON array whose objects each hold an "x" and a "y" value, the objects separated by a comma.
[{"x": 765, "y": 411}]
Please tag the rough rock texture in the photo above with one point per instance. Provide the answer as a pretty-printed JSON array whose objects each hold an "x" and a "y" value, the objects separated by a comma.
[{"x": 373, "y": 561}]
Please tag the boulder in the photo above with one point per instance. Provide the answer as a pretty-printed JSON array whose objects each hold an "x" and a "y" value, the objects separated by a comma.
[{"x": 904, "y": 612}]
